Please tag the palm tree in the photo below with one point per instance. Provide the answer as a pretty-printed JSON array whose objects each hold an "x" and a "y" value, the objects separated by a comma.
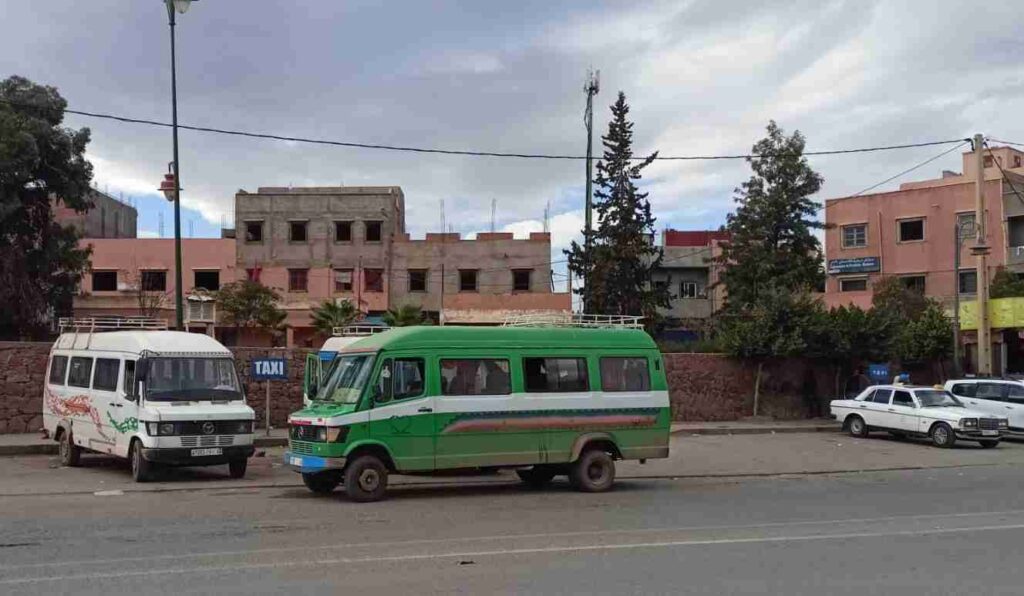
[
  {"x": 330, "y": 314},
  {"x": 405, "y": 316}
]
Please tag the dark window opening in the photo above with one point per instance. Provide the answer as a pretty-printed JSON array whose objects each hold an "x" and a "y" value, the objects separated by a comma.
[
  {"x": 404, "y": 379},
  {"x": 104, "y": 281},
  {"x": 129, "y": 377},
  {"x": 207, "y": 280},
  {"x": 882, "y": 396},
  {"x": 254, "y": 231},
  {"x": 485, "y": 376},
  {"x": 968, "y": 282},
  {"x": 154, "y": 281},
  {"x": 343, "y": 231},
  {"x": 342, "y": 280},
  {"x": 373, "y": 280},
  {"x": 911, "y": 230},
  {"x": 467, "y": 280},
  {"x": 58, "y": 367},
  {"x": 902, "y": 398},
  {"x": 554, "y": 375},
  {"x": 80, "y": 372},
  {"x": 297, "y": 231},
  {"x": 374, "y": 231},
  {"x": 105, "y": 377},
  {"x": 853, "y": 285},
  {"x": 625, "y": 374},
  {"x": 521, "y": 279},
  {"x": 298, "y": 280},
  {"x": 914, "y": 282},
  {"x": 417, "y": 280}
]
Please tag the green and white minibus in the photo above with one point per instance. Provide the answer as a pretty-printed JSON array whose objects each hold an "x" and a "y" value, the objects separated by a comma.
[{"x": 544, "y": 401}]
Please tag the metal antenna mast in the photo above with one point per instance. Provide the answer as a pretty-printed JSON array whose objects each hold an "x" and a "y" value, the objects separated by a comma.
[{"x": 591, "y": 88}]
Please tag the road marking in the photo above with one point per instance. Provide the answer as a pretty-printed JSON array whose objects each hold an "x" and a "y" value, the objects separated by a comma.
[
  {"x": 506, "y": 537},
  {"x": 509, "y": 552}
]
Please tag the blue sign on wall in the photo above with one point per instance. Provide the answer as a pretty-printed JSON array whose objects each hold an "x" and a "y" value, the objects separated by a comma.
[
  {"x": 269, "y": 369},
  {"x": 879, "y": 373},
  {"x": 859, "y": 265}
]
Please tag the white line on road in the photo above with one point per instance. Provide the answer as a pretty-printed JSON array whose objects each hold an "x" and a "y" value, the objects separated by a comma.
[{"x": 508, "y": 552}]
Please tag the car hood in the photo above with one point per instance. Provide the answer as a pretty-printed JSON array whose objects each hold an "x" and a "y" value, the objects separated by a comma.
[
  {"x": 954, "y": 414},
  {"x": 318, "y": 412},
  {"x": 168, "y": 412}
]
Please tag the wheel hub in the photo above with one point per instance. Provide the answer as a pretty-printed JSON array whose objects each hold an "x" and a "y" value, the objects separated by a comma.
[{"x": 369, "y": 480}]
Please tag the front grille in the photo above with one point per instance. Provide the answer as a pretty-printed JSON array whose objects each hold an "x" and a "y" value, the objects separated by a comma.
[
  {"x": 988, "y": 423},
  {"x": 220, "y": 427},
  {"x": 208, "y": 441},
  {"x": 305, "y": 432},
  {"x": 303, "y": 448}
]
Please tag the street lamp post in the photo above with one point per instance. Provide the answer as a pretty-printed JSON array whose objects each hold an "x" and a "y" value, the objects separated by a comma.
[{"x": 179, "y": 6}]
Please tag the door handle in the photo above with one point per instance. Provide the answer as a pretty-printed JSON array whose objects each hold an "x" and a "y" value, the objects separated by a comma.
[
  {"x": 863, "y": 406},
  {"x": 425, "y": 410},
  {"x": 1008, "y": 407},
  {"x": 115, "y": 404}
]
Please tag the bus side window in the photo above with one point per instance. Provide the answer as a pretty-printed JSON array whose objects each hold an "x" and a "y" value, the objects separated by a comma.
[
  {"x": 625, "y": 374},
  {"x": 129, "y": 379},
  {"x": 58, "y": 368}
]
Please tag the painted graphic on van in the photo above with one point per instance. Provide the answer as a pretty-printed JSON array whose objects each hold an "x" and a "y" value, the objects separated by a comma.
[
  {"x": 128, "y": 425},
  {"x": 552, "y": 420},
  {"x": 76, "y": 405}
]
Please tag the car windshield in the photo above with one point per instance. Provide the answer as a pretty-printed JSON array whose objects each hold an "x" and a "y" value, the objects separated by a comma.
[
  {"x": 345, "y": 379},
  {"x": 192, "y": 379},
  {"x": 933, "y": 398}
]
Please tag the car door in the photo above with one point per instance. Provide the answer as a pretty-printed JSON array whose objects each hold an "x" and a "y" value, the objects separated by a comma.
[
  {"x": 876, "y": 409},
  {"x": 1014, "y": 407},
  {"x": 108, "y": 402},
  {"x": 402, "y": 417},
  {"x": 988, "y": 398},
  {"x": 128, "y": 423},
  {"x": 79, "y": 404},
  {"x": 905, "y": 411}
]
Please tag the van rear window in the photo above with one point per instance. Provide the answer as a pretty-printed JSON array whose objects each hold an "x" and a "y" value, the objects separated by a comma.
[
  {"x": 81, "y": 372},
  {"x": 482, "y": 376},
  {"x": 625, "y": 374},
  {"x": 58, "y": 366}
]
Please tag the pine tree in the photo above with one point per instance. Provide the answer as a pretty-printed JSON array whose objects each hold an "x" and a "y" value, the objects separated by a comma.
[
  {"x": 618, "y": 266},
  {"x": 771, "y": 235}
]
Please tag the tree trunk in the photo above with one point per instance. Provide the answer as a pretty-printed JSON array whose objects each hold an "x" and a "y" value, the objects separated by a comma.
[{"x": 757, "y": 386}]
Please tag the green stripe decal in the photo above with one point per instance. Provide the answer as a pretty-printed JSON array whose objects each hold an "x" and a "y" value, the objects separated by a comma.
[{"x": 552, "y": 420}]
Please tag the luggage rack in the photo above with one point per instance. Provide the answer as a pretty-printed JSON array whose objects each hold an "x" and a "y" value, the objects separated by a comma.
[
  {"x": 358, "y": 330},
  {"x": 580, "y": 320},
  {"x": 89, "y": 325}
]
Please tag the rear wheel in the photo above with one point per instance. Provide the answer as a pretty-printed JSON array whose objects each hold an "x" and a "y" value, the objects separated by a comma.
[
  {"x": 989, "y": 444},
  {"x": 858, "y": 428},
  {"x": 237, "y": 467},
  {"x": 142, "y": 470},
  {"x": 593, "y": 472},
  {"x": 537, "y": 476},
  {"x": 366, "y": 479},
  {"x": 943, "y": 436},
  {"x": 322, "y": 483},
  {"x": 69, "y": 452}
]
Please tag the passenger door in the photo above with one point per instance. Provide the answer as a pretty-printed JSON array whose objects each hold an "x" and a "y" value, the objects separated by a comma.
[
  {"x": 403, "y": 413},
  {"x": 876, "y": 409},
  {"x": 905, "y": 411},
  {"x": 108, "y": 402},
  {"x": 79, "y": 404}
]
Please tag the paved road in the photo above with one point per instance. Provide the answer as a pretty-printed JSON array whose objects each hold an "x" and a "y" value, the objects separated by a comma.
[{"x": 950, "y": 531}]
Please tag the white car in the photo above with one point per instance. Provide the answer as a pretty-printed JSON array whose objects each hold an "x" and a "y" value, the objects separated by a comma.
[
  {"x": 918, "y": 411},
  {"x": 995, "y": 397}
]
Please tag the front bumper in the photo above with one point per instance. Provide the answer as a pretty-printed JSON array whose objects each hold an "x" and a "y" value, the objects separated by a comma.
[
  {"x": 183, "y": 456},
  {"x": 312, "y": 464},
  {"x": 974, "y": 434}
]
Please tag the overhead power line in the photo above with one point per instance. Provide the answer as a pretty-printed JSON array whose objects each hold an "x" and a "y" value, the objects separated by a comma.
[
  {"x": 911, "y": 169},
  {"x": 438, "y": 151},
  {"x": 1003, "y": 173}
]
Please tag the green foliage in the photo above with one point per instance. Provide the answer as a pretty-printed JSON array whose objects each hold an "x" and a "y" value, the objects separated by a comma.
[
  {"x": 698, "y": 346},
  {"x": 40, "y": 261},
  {"x": 780, "y": 324},
  {"x": 408, "y": 315},
  {"x": 1005, "y": 285},
  {"x": 330, "y": 314},
  {"x": 892, "y": 299},
  {"x": 618, "y": 269},
  {"x": 771, "y": 235},
  {"x": 847, "y": 334},
  {"x": 926, "y": 339},
  {"x": 250, "y": 304}
]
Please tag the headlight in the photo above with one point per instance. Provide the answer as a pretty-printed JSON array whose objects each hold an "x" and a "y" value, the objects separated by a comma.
[
  {"x": 969, "y": 423},
  {"x": 337, "y": 434},
  {"x": 321, "y": 434},
  {"x": 161, "y": 429},
  {"x": 243, "y": 427},
  {"x": 1004, "y": 423}
]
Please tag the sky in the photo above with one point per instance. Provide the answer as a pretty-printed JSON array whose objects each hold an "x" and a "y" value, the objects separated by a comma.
[{"x": 701, "y": 77}]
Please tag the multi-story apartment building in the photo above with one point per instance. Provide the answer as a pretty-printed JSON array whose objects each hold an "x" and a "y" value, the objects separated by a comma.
[
  {"x": 108, "y": 217},
  {"x": 689, "y": 271}
]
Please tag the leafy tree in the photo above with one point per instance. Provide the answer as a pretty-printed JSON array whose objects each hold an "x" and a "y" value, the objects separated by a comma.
[
  {"x": 927, "y": 339},
  {"x": 781, "y": 324},
  {"x": 250, "y": 304},
  {"x": 617, "y": 269},
  {"x": 149, "y": 301},
  {"x": 893, "y": 305},
  {"x": 330, "y": 314},
  {"x": 1005, "y": 285},
  {"x": 846, "y": 335},
  {"x": 40, "y": 260},
  {"x": 408, "y": 315},
  {"x": 771, "y": 235}
]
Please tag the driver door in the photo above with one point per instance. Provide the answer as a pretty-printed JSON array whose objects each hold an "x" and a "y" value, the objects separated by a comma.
[
  {"x": 312, "y": 377},
  {"x": 402, "y": 417},
  {"x": 905, "y": 410}
]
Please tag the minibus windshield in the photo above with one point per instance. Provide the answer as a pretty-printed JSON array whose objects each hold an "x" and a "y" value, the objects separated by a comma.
[
  {"x": 192, "y": 379},
  {"x": 345, "y": 379}
]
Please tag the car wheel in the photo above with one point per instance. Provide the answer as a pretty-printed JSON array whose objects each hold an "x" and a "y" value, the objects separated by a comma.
[
  {"x": 593, "y": 472},
  {"x": 537, "y": 476},
  {"x": 943, "y": 436},
  {"x": 70, "y": 453},
  {"x": 366, "y": 479},
  {"x": 237, "y": 467},
  {"x": 858, "y": 428},
  {"x": 989, "y": 444},
  {"x": 322, "y": 483},
  {"x": 142, "y": 470}
]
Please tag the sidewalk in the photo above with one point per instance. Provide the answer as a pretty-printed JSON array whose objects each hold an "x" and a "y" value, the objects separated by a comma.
[{"x": 35, "y": 444}]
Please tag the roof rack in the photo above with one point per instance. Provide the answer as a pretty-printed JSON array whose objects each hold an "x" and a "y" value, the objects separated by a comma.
[
  {"x": 358, "y": 330},
  {"x": 581, "y": 320},
  {"x": 90, "y": 325}
]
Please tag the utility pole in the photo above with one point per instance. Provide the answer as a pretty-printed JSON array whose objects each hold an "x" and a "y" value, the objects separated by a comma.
[
  {"x": 957, "y": 244},
  {"x": 981, "y": 250},
  {"x": 590, "y": 88}
]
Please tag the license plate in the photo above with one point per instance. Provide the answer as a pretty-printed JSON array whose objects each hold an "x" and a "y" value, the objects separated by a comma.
[
  {"x": 296, "y": 461},
  {"x": 205, "y": 452},
  {"x": 990, "y": 433}
]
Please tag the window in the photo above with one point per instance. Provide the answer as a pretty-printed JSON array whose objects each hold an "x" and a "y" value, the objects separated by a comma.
[
  {"x": 254, "y": 231},
  {"x": 913, "y": 282},
  {"x": 902, "y": 398},
  {"x": 882, "y": 396},
  {"x": 58, "y": 366},
  {"x": 992, "y": 391},
  {"x": 1015, "y": 393},
  {"x": 129, "y": 377},
  {"x": 859, "y": 284},
  {"x": 855, "y": 236},
  {"x": 964, "y": 389},
  {"x": 1015, "y": 230},
  {"x": 467, "y": 280},
  {"x": 660, "y": 285},
  {"x": 104, "y": 281},
  {"x": 154, "y": 281},
  {"x": 521, "y": 280},
  {"x": 105, "y": 377},
  {"x": 965, "y": 223},
  {"x": 988, "y": 161},
  {"x": 343, "y": 231},
  {"x": 688, "y": 290},
  {"x": 80, "y": 372},
  {"x": 1016, "y": 161},
  {"x": 298, "y": 280},
  {"x": 555, "y": 375},
  {"x": 402, "y": 379},
  {"x": 911, "y": 230},
  {"x": 373, "y": 280},
  {"x": 297, "y": 231},
  {"x": 417, "y": 280},
  {"x": 208, "y": 280},
  {"x": 484, "y": 376},
  {"x": 373, "y": 231},
  {"x": 625, "y": 374},
  {"x": 253, "y": 274},
  {"x": 968, "y": 282},
  {"x": 342, "y": 280}
]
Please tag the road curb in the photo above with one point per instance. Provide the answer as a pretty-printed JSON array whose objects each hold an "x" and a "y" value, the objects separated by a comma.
[{"x": 761, "y": 430}]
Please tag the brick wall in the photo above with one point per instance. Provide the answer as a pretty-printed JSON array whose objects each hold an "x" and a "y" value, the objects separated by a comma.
[{"x": 22, "y": 368}]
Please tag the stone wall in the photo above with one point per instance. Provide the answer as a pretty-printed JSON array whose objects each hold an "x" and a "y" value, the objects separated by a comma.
[
  {"x": 22, "y": 368},
  {"x": 285, "y": 396}
]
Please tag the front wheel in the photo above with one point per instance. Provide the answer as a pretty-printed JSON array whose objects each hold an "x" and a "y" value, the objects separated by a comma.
[
  {"x": 989, "y": 444},
  {"x": 858, "y": 428},
  {"x": 366, "y": 479},
  {"x": 237, "y": 467},
  {"x": 142, "y": 469},
  {"x": 322, "y": 483},
  {"x": 593, "y": 472},
  {"x": 943, "y": 436},
  {"x": 537, "y": 476},
  {"x": 69, "y": 452}
]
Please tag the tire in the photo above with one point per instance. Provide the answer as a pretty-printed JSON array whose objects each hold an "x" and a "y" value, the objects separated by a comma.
[
  {"x": 70, "y": 454},
  {"x": 366, "y": 479},
  {"x": 537, "y": 476},
  {"x": 322, "y": 483},
  {"x": 142, "y": 470},
  {"x": 236, "y": 468},
  {"x": 989, "y": 444},
  {"x": 593, "y": 472},
  {"x": 943, "y": 436},
  {"x": 857, "y": 426}
]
